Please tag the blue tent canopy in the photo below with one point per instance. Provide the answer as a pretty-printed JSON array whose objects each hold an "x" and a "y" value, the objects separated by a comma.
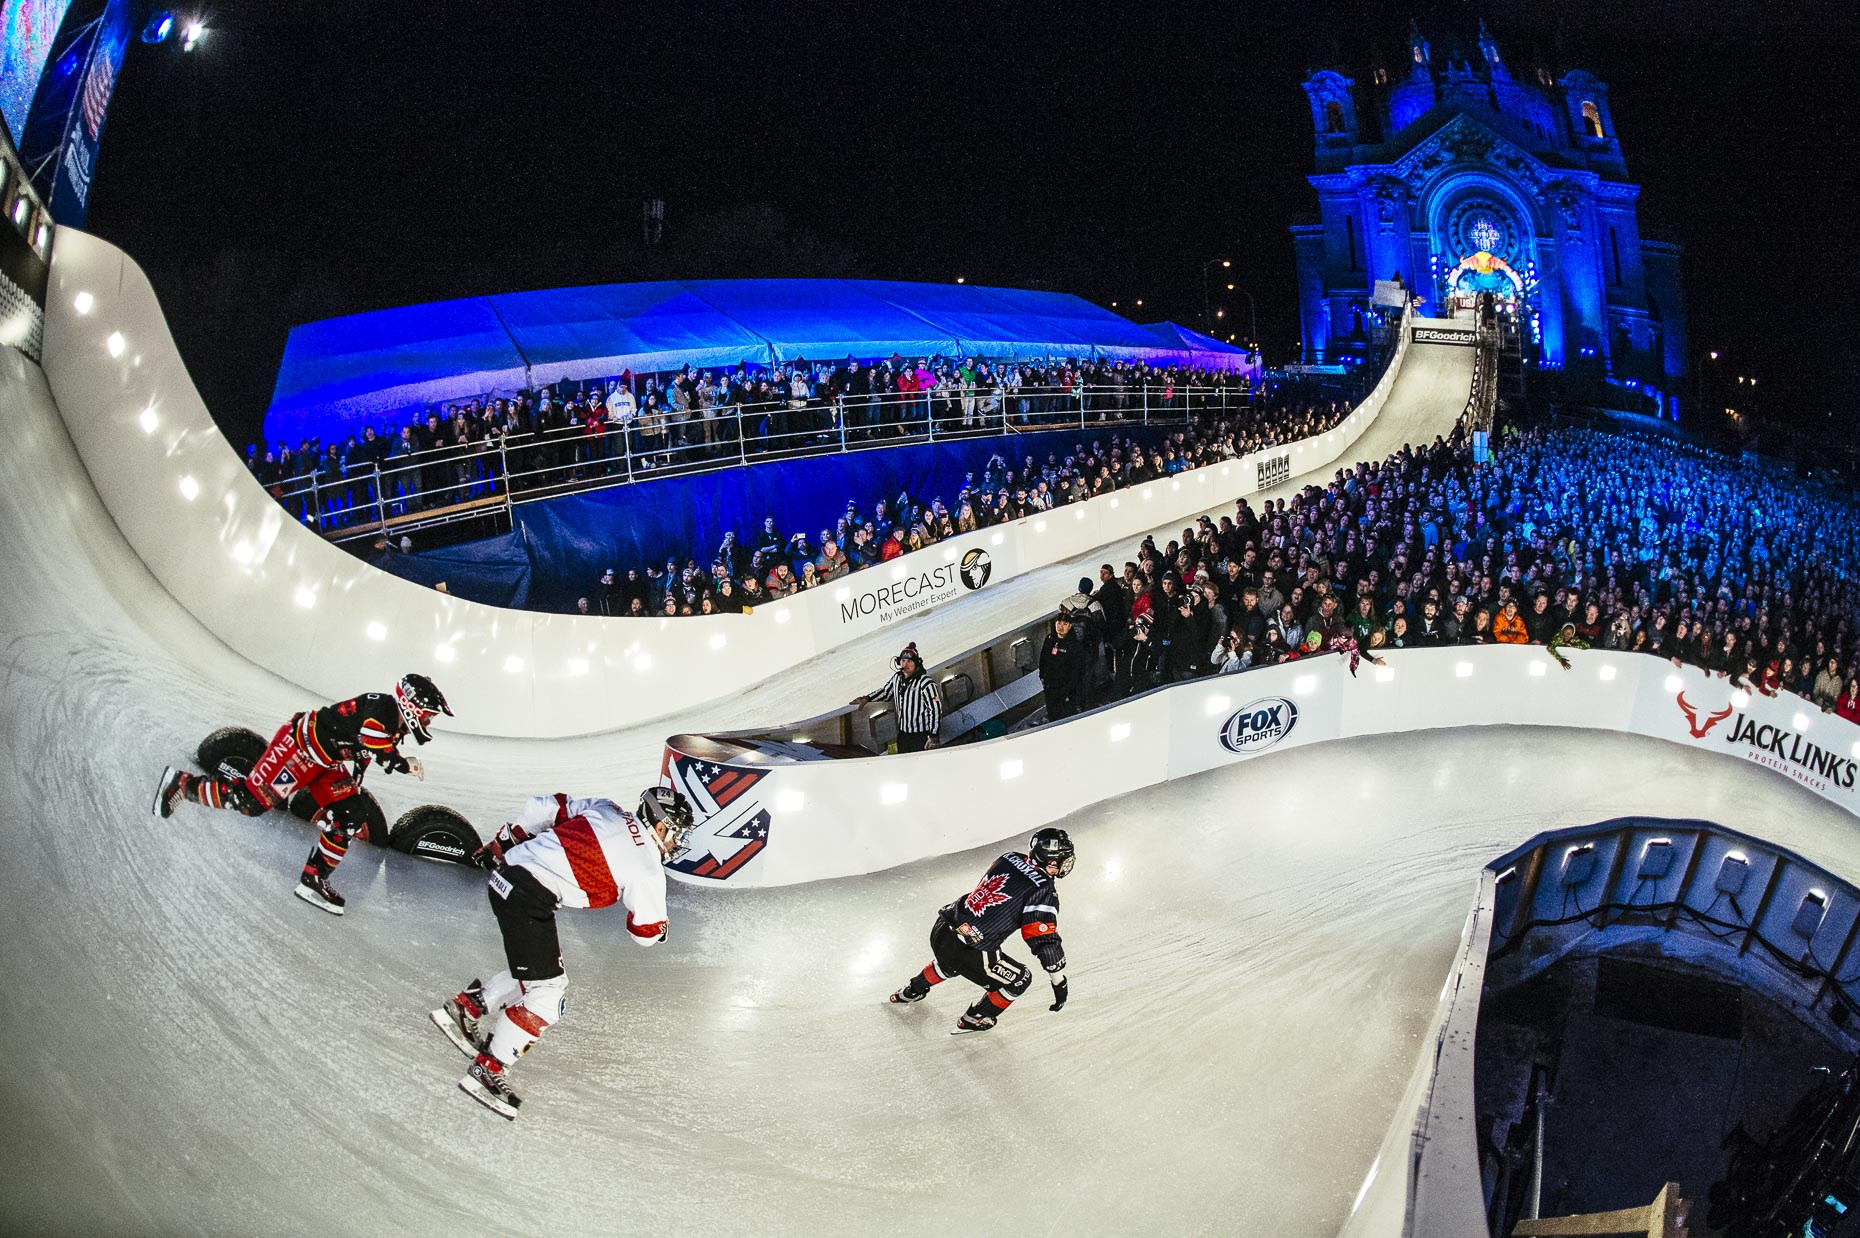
[
  {"x": 1195, "y": 348},
  {"x": 344, "y": 372}
]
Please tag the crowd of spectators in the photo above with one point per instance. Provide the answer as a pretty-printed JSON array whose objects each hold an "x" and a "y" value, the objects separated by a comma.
[
  {"x": 1566, "y": 539},
  {"x": 769, "y": 562},
  {"x": 553, "y": 438}
]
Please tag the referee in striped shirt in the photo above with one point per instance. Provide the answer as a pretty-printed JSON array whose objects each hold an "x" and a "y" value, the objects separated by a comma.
[{"x": 915, "y": 698}]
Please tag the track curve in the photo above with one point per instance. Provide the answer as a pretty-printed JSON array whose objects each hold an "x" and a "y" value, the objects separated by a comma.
[{"x": 1254, "y": 952}]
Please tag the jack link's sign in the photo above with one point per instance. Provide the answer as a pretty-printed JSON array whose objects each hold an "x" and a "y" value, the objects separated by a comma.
[{"x": 1783, "y": 733}]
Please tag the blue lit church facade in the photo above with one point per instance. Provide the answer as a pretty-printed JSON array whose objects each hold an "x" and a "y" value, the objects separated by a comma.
[{"x": 1458, "y": 176}]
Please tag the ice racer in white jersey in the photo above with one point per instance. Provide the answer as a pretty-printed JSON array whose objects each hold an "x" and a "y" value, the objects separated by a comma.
[
  {"x": 1018, "y": 893},
  {"x": 560, "y": 852}
]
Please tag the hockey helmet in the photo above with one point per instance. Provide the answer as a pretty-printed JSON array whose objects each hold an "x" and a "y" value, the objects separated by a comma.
[
  {"x": 1052, "y": 846},
  {"x": 420, "y": 701},
  {"x": 669, "y": 814}
]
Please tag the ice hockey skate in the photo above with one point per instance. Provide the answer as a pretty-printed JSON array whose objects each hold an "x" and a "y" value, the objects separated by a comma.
[
  {"x": 487, "y": 1084},
  {"x": 168, "y": 791},
  {"x": 316, "y": 892},
  {"x": 459, "y": 1019},
  {"x": 972, "y": 1023},
  {"x": 905, "y": 996}
]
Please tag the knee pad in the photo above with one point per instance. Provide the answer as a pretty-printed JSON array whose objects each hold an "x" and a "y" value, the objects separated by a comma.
[
  {"x": 1012, "y": 976},
  {"x": 347, "y": 816},
  {"x": 238, "y": 795},
  {"x": 523, "y": 1020},
  {"x": 545, "y": 999}
]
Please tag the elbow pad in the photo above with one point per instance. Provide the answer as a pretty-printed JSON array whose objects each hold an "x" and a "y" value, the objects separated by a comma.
[{"x": 644, "y": 935}]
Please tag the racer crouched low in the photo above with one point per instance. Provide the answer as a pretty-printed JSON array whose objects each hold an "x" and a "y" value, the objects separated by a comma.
[
  {"x": 1018, "y": 892},
  {"x": 321, "y": 751},
  {"x": 561, "y": 852}
]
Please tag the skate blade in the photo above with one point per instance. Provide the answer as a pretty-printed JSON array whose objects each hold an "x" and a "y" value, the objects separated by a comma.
[
  {"x": 161, "y": 792},
  {"x": 444, "y": 1023},
  {"x": 310, "y": 896},
  {"x": 968, "y": 1031},
  {"x": 477, "y": 1091}
]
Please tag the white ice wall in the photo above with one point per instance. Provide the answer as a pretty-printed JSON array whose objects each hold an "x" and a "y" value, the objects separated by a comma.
[
  {"x": 841, "y": 817},
  {"x": 282, "y": 597}
]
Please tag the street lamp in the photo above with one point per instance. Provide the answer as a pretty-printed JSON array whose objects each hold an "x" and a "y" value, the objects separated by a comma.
[
  {"x": 1252, "y": 312},
  {"x": 1698, "y": 378},
  {"x": 1206, "y": 306}
]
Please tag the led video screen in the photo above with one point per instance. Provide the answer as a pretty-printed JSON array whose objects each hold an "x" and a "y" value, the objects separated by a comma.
[{"x": 27, "y": 28}]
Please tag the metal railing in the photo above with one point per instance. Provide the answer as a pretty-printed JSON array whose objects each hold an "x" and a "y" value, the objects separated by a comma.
[{"x": 408, "y": 490}]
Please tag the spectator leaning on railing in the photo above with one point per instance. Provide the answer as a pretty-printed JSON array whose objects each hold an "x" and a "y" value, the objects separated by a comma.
[{"x": 639, "y": 423}]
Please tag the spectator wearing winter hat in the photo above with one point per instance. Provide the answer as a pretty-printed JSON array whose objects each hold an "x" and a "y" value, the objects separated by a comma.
[{"x": 914, "y": 698}]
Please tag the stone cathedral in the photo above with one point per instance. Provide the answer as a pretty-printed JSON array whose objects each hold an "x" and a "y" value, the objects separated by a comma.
[{"x": 1458, "y": 176}]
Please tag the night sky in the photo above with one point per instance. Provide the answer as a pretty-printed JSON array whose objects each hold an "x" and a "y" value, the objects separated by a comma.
[{"x": 325, "y": 158}]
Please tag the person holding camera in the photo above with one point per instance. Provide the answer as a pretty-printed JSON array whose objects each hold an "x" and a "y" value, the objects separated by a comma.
[
  {"x": 915, "y": 698},
  {"x": 1234, "y": 652}
]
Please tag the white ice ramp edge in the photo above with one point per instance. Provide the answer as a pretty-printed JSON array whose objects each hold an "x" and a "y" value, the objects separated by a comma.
[
  {"x": 862, "y": 815},
  {"x": 300, "y": 608}
]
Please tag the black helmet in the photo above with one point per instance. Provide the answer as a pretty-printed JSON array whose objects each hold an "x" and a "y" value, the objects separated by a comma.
[
  {"x": 671, "y": 812},
  {"x": 420, "y": 700},
  {"x": 1052, "y": 846}
]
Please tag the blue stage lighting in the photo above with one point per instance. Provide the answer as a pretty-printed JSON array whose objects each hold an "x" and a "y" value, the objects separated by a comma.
[{"x": 159, "y": 27}]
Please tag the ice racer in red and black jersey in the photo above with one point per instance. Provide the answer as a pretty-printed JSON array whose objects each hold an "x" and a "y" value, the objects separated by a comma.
[
  {"x": 1018, "y": 894},
  {"x": 322, "y": 751}
]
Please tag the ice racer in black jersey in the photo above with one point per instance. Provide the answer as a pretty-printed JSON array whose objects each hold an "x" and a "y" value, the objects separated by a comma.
[
  {"x": 1018, "y": 893},
  {"x": 321, "y": 751}
]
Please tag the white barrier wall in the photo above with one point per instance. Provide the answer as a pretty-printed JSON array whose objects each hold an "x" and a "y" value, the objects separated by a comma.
[
  {"x": 290, "y": 602},
  {"x": 833, "y": 818}
]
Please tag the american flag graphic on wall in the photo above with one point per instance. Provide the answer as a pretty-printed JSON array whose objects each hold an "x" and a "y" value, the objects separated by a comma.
[{"x": 732, "y": 821}]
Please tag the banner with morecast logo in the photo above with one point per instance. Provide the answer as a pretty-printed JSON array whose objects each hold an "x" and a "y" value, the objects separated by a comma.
[
  {"x": 1783, "y": 733},
  {"x": 911, "y": 584}
]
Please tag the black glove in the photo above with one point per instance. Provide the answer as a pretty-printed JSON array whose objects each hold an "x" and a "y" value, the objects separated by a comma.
[
  {"x": 393, "y": 763},
  {"x": 1059, "y": 994}
]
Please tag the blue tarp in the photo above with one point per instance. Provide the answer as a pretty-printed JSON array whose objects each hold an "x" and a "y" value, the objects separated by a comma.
[
  {"x": 559, "y": 547},
  {"x": 345, "y": 372}
]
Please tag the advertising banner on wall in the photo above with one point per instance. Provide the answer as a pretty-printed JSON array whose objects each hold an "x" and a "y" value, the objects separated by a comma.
[
  {"x": 889, "y": 592},
  {"x": 1233, "y": 718},
  {"x": 731, "y": 807},
  {"x": 1782, "y": 733}
]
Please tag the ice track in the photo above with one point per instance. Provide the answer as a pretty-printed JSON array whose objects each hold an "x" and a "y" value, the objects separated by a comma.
[{"x": 189, "y": 1050}]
